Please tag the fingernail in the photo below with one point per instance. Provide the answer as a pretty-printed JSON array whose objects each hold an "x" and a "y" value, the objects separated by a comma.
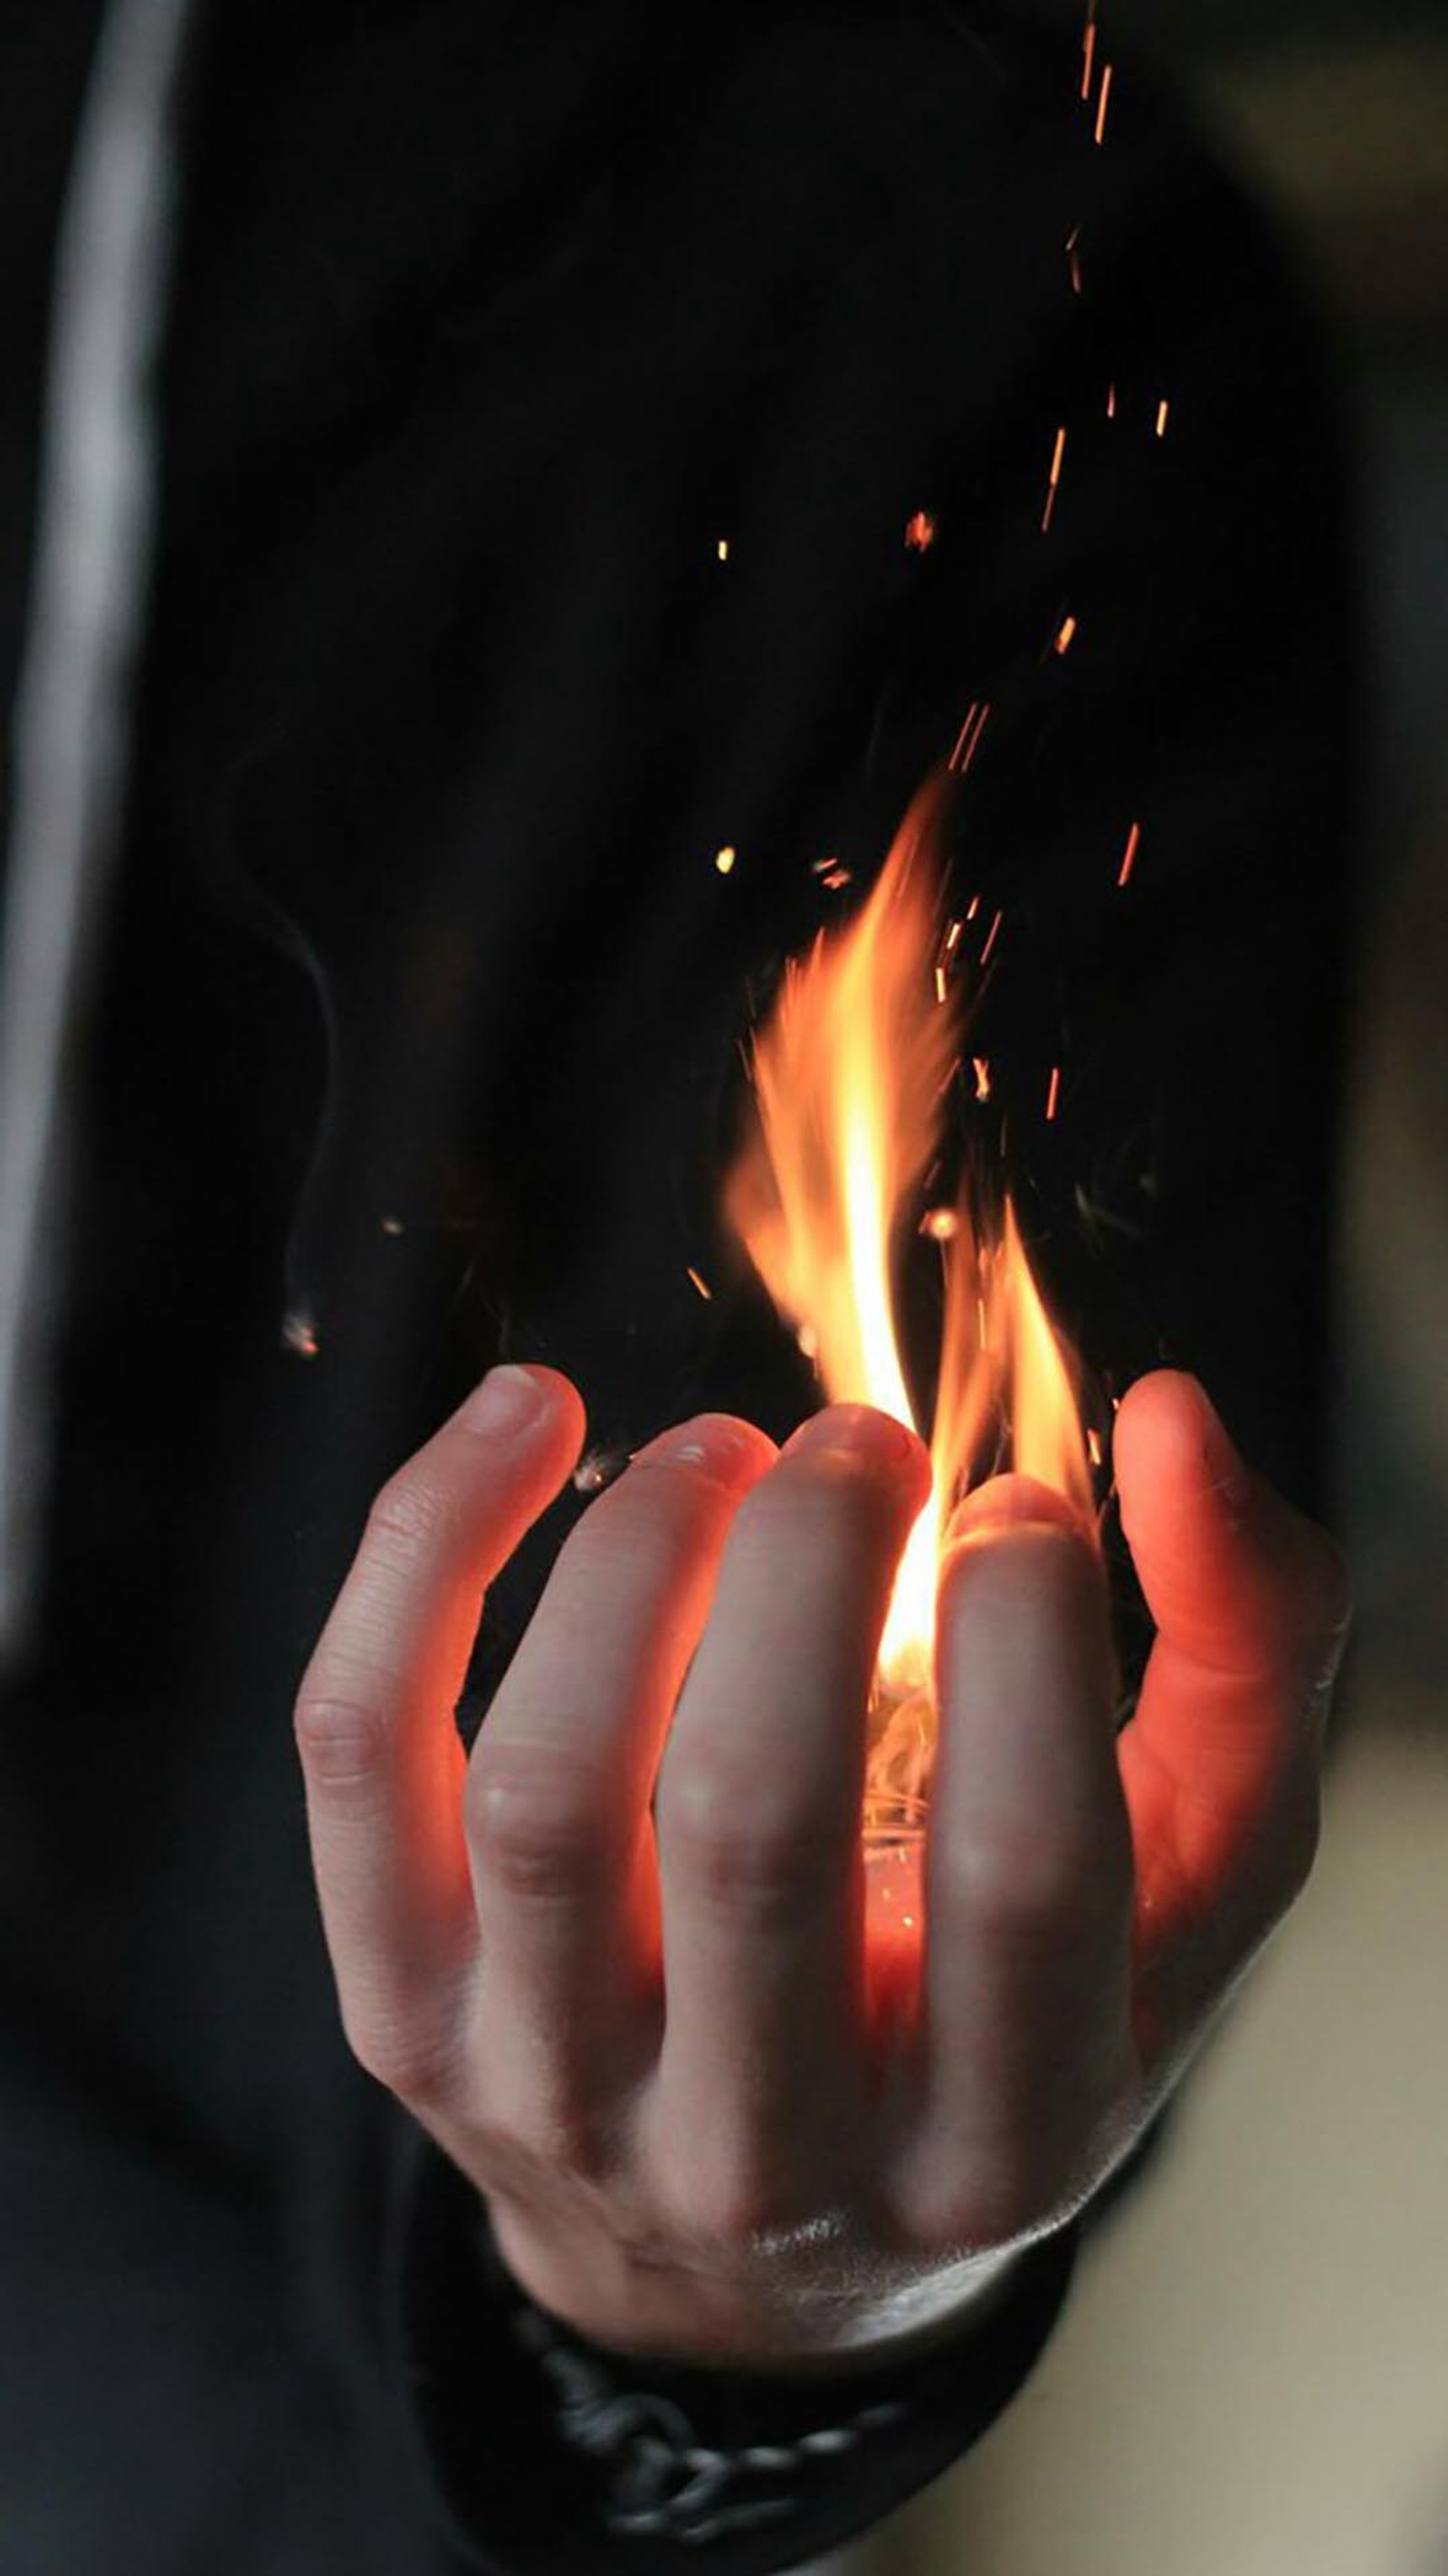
[
  {"x": 1013, "y": 1502},
  {"x": 853, "y": 1430},
  {"x": 727, "y": 1449},
  {"x": 508, "y": 1399}
]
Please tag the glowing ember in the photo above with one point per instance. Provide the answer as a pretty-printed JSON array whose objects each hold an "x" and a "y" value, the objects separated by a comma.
[
  {"x": 1053, "y": 486},
  {"x": 1066, "y": 636},
  {"x": 920, "y": 532},
  {"x": 722, "y": 550},
  {"x": 969, "y": 738},
  {"x": 849, "y": 1075},
  {"x": 1133, "y": 844},
  {"x": 724, "y": 860}
]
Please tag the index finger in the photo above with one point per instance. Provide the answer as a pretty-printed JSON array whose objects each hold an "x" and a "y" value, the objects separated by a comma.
[{"x": 381, "y": 1759}]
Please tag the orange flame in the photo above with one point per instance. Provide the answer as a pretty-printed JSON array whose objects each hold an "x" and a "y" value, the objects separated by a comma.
[{"x": 850, "y": 1075}]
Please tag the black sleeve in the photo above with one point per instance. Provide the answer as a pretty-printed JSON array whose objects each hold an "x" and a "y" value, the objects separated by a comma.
[{"x": 544, "y": 2452}]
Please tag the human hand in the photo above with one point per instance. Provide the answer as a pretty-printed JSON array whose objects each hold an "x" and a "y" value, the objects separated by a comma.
[{"x": 645, "y": 2036}]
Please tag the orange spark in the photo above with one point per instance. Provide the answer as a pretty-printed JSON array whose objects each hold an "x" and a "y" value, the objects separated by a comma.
[
  {"x": 1067, "y": 636},
  {"x": 1104, "y": 104},
  {"x": 1133, "y": 844},
  {"x": 1054, "y": 485},
  {"x": 1163, "y": 414},
  {"x": 837, "y": 877},
  {"x": 920, "y": 531},
  {"x": 722, "y": 550},
  {"x": 1111, "y": 402},
  {"x": 941, "y": 1224},
  {"x": 995, "y": 932},
  {"x": 952, "y": 937},
  {"x": 972, "y": 908},
  {"x": 705, "y": 1291},
  {"x": 1054, "y": 1093},
  {"x": 969, "y": 738},
  {"x": 1088, "y": 52},
  {"x": 1093, "y": 1447},
  {"x": 724, "y": 859},
  {"x": 982, "y": 1076},
  {"x": 1073, "y": 256},
  {"x": 941, "y": 987}
]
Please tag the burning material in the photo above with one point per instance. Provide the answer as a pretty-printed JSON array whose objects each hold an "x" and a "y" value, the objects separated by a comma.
[{"x": 850, "y": 1075}]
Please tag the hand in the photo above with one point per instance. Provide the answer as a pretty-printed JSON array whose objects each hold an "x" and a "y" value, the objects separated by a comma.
[{"x": 644, "y": 2036}]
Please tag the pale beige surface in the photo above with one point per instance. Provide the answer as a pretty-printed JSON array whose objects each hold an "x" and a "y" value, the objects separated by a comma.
[{"x": 1251, "y": 2376}]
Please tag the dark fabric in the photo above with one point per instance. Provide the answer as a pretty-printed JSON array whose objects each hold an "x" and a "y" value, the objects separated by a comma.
[{"x": 423, "y": 995}]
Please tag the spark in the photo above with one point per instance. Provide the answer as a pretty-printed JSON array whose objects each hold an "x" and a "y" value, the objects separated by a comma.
[
  {"x": 1111, "y": 402},
  {"x": 299, "y": 1334},
  {"x": 724, "y": 859},
  {"x": 597, "y": 1468},
  {"x": 1054, "y": 485},
  {"x": 920, "y": 532},
  {"x": 1073, "y": 255},
  {"x": 952, "y": 937},
  {"x": 1163, "y": 414},
  {"x": 982, "y": 1076},
  {"x": 705, "y": 1291},
  {"x": 1105, "y": 102},
  {"x": 1088, "y": 57},
  {"x": 392, "y": 1225},
  {"x": 980, "y": 1331},
  {"x": 941, "y": 1224},
  {"x": 722, "y": 550},
  {"x": 838, "y": 877},
  {"x": 1054, "y": 1093},
  {"x": 940, "y": 984},
  {"x": 1093, "y": 1447},
  {"x": 972, "y": 907},
  {"x": 1133, "y": 844},
  {"x": 968, "y": 743},
  {"x": 1067, "y": 635},
  {"x": 992, "y": 937}
]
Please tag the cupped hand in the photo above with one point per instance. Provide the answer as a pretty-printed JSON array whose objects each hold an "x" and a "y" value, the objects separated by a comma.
[{"x": 614, "y": 1961}]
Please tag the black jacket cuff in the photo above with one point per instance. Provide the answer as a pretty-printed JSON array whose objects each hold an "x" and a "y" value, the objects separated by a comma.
[{"x": 545, "y": 2451}]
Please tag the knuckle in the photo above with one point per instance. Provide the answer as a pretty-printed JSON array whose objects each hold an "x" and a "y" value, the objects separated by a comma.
[
  {"x": 955, "y": 2215},
  {"x": 1015, "y": 1882},
  {"x": 536, "y": 1821},
  {"x": 401, "y": 2053},
  {"x": 711, "y": 1829},
  {"x": 415, "y": 1514},
  {"x": 340, "y": 1740}
]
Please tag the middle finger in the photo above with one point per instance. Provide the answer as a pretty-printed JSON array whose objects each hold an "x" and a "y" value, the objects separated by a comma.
[{"x": 758, "y": 1813}]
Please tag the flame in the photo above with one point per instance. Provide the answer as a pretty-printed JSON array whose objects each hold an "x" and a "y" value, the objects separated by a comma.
[{"x": 850, "y": 1077}]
